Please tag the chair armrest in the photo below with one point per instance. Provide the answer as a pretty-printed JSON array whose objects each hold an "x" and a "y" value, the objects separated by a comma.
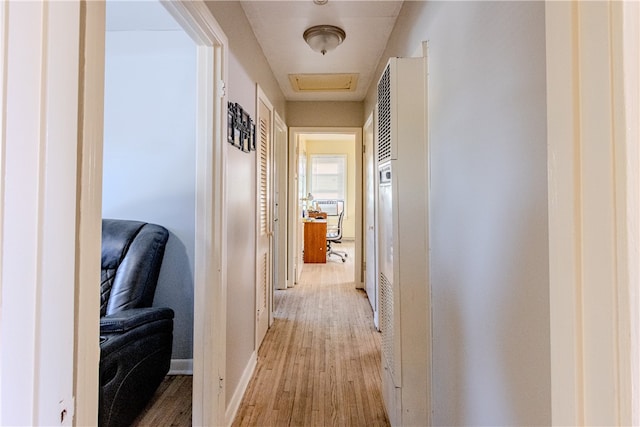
[{"x": 127, "y": 320}]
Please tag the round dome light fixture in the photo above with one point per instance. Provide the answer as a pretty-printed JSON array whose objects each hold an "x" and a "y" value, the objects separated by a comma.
[
  {"x": 323, "y": 38},
  {"x": 320, "y": 2}
]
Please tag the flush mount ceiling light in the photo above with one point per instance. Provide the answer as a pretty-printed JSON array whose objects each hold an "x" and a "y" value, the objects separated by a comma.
[
  {"x": 323, "y": 38},
  {"x": 320, "y": 2}
]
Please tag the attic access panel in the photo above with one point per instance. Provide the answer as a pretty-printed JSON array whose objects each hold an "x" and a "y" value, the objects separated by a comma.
[{"x": 335, "y": 82}]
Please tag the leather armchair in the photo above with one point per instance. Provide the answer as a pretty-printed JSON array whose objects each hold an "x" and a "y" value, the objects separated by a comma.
[{"x": 135, "y": 338}]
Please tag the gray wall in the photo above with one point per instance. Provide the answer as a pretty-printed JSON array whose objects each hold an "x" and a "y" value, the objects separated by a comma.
[
  {"x": 247, "y": 52},
  {"x": 489, "y": 204},
  {"x": 247, "y": 66},
  {"x": 241, "y": 232},
  {"x": 489, "y": 238},
  {"x": 324, "y": 114},
  {"x": 149, "y": 154}
]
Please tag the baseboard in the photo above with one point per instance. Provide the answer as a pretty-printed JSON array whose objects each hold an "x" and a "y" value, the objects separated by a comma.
[
  {"x": 236, "y": 399},
  {"x": 181, "y": 367}
]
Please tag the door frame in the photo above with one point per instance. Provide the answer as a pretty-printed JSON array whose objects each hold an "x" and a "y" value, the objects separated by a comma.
[
  {"x": 40, "y": 99},
  {"x": 294, "y": 135},
  {"x": 281, "y": 151},
  {"x": 594, "y": 244},
  {"x": 370, "y": 151},
  {"x": 209, "y": 350}
]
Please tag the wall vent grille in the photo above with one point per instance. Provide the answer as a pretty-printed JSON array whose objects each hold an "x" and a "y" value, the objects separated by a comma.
[
  {"x": 384, "y": 116},
  {"x": 386, "y": 323}
]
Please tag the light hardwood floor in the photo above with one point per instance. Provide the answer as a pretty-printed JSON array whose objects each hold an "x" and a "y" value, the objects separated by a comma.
[{"x": 319, "y": 364}]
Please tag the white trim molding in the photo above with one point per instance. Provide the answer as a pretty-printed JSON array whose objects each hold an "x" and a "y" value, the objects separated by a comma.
[
  {"x": 210, "y": 276},
  {"x": 281, "y": 151},
  {"x": 40, "y": 97},
  {"x": 89, "y": 223},
  {"x": 589, "y": 216},
  {"x": 238, "y": 394},
  {"x": 4, "y": 25},
  {"x": 630, "y": 223},
  {"x": 181, "y": 367}
]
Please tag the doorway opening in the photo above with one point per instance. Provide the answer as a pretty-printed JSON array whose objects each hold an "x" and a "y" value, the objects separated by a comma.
[
  {"x": 209, "y": 264},
  {"x": 149, "y": 148},
  {"x": 316, "y": 158}
]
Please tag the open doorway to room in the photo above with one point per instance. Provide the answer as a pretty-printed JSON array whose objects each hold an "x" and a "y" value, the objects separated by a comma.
[
  {"x": 149, "y": 169},
  {"x": 326, "y": 165},
  {"x": 330, "y": 184},
  {"x": 209, "y": 134}
]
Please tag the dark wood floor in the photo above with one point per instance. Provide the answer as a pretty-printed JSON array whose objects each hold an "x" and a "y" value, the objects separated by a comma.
[{"x": 319, "y": 364}]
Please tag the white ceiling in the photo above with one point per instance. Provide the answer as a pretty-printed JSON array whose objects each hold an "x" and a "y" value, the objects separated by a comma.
[{"x": 278, "y": 26}]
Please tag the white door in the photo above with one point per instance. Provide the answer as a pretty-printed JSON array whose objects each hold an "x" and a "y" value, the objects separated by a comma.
[
  {"x": 371, "y": 266},
  {"x": 301, "y": 155},
  {"x": 264, "y": 232},
  {"x": 280, "y": 204}
]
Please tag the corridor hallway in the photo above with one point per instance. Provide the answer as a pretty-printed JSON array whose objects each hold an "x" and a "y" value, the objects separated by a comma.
[{"x": 319, "y": 364}]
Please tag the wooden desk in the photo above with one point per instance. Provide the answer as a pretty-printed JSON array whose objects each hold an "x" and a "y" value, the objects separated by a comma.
[
  {"x": 315, "y": 241},
  {"x": 322, "y": 215}
]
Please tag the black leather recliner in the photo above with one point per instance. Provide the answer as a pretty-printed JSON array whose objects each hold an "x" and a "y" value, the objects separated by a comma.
[{"x": 135, "y": 338}]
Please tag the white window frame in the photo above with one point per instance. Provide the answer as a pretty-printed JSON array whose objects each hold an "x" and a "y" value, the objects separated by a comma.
[{"x": 345, "y": 175}]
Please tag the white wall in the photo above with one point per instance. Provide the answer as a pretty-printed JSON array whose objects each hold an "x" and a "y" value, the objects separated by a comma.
[
  {"x": 149, "y": 154},
  {"x": 489, "y": 236}
]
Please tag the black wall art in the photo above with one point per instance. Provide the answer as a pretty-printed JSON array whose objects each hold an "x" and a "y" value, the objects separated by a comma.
[{"x": 241, "y": 130}]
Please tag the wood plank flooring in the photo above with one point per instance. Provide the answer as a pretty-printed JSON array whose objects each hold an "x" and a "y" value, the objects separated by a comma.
[
  {"x": 171, "y": 404},
  {"x": 319, "y": 364}
]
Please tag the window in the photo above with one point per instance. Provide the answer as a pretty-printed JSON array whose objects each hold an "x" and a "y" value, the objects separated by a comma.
[{"x": 329, "y": 176}]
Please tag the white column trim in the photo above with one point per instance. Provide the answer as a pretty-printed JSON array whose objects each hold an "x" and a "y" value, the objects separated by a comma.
[
  {"x": 589, "y": 214},
  {"x": 40, "y": 107},
  {"x": 210, "y": 275},
  {"x": 89, "y": 224}
]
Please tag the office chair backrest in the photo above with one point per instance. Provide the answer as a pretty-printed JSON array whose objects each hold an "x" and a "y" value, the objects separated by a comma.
[
  {"x": 337, "y": 234},
  {"x": 332, "y": 207}
]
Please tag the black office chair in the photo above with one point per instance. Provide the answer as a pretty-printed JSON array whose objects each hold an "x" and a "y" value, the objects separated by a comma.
[{"x": 335, "y": 236}]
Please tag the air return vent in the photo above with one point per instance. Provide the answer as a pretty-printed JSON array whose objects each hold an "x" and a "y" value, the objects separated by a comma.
[
  {"x": 386, "y": 324},
  {"x": 384, "y": 116}
]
